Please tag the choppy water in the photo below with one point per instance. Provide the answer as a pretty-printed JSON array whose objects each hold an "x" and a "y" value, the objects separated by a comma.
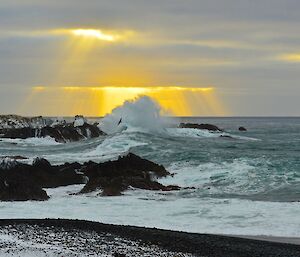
[{"x": 248, "y": 184}]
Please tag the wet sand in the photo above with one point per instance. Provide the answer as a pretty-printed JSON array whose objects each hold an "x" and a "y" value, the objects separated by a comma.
[{"x": 60, "y": 237}]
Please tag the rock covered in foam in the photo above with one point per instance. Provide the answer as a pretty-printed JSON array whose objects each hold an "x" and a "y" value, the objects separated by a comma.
[
  {"x": 22, "y": 128},
  {"x": 79, "y": 121},
  {"x": 17, "y": 122},
  {"x": 7, "y": 163},
  {"x": 209, "y": 127},
  {"x": 58, "y": 122}
]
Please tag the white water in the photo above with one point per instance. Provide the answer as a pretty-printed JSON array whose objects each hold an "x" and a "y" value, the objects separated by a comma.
[
  {"x": 165, "y": 210},
  {"x": 33, "y": 141},
  {"x": 202, "y": 133},
  {"x": 141, "y": 114}
]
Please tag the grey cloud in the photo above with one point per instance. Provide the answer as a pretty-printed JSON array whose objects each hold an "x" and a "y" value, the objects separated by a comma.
[{"x": 174, "y": 33}]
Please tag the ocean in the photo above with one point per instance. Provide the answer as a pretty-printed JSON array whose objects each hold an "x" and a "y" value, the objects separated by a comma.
[{"x": 246, "y": 183}]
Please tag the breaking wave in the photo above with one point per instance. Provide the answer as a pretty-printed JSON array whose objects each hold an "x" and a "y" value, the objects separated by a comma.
[
  {"x": 142, "y": 114},
  {"x": 32, "y": 141}
]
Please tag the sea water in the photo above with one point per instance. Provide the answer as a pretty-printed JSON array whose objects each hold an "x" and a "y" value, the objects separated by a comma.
[{"x": 247, "y": 183}]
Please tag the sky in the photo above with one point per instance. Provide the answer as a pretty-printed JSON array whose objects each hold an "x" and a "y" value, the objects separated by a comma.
[{"x": 195, "y": 57}]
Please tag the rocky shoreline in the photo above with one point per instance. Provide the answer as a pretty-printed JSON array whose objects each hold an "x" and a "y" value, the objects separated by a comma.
[
  {"x": 60, "y": 237},
  {"x": 18, "y": 127}
]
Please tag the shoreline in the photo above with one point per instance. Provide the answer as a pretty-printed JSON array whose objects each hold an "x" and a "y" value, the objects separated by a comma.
[
  {"x": 275, "y": 239},
  {"x": 187, "y": 244}
]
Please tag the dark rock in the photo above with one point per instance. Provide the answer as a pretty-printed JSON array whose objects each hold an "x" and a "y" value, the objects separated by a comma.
[
  {"x": 209, "y": 127},
  {"x": 41, "y": 173},
  {"x": 21, "y": 190},
  {"x": 14, "y": 157},
  {"x": 41, "y": 163},
  {"x": 111, "y": 191},
  {"x": 21, "y": 182},
  {"x": 226, "y": 136},
  {"x": 21, "y": 133},
  {"x": 61, "y": 133},
  {"x": 242, "y": 129},
  {"x": 113, "y": 177},
  {"x": 89, "y": 131}
]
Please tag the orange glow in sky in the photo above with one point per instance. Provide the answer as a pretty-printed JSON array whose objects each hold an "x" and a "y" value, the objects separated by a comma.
[{"x": 98, "y": 101}]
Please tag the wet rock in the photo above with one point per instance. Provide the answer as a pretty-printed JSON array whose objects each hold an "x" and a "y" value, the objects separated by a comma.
[
  {"x": 113, "y": 177},
  {"x": 209, "y": 127},
  {"x": 242, "y": 129}
]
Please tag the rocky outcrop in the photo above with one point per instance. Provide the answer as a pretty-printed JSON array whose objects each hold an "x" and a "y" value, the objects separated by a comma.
[
  {"x": 16, "y": 122},
  {"x": 209, "y": 127},
  {"x": 48, "y": 176},
  {"x": 20, "y": 190},
  {"x": 242, "y": 129},
  {"x": 19, "y": 181},
  {"x": 113, "y": 177},
  {"x": 59, "y": 130},
  {"x": 15, "y": 186}
]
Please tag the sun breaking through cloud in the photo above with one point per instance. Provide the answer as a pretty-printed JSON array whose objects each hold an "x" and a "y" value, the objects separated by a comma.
[{"x": 94, "y": 33}]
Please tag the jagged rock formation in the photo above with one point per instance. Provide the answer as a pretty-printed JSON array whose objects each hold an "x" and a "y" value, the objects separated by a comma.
[
  {"x": 209, "y": 127},
  {"x": 113, "y": 177}
]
